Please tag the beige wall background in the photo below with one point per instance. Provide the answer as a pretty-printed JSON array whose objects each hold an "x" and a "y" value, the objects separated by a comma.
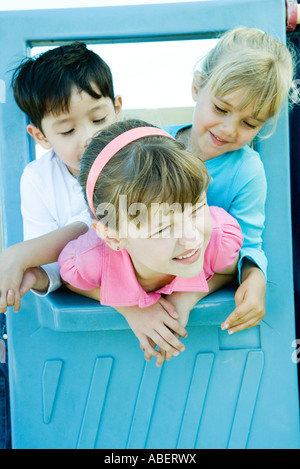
[{"x": 161, "y": 116}]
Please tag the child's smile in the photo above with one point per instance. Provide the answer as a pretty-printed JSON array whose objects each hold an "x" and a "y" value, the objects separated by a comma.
[
  {"x": 217, "y": 140},
  {"x": 220, "y": 126},
  {"x": 190, "y": 256}
]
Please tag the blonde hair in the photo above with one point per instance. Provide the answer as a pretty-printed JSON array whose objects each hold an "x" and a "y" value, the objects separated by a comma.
[
  {"x": 253, "y": 60},
  {"x": 153, "y": 169}
]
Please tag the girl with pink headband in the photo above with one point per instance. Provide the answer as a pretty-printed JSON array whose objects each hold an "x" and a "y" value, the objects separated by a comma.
[{"x": 153, "y": 238}]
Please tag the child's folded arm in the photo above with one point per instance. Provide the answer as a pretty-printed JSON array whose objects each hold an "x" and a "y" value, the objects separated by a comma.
[
  {"x": 248, "y": 208},
  {"x": 17, "y": 259}
]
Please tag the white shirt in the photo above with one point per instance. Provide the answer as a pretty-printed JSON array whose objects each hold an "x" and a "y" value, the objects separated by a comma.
[{"x": 50, "y": 199}]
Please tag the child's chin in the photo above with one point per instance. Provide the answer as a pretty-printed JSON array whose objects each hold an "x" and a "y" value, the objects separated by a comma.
[{"x": 192, "y": 270}]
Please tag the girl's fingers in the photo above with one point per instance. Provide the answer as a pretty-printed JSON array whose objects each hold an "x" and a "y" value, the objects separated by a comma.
[
  {"x": 236, "y": 317},
  {"x": 168, "y": 356},
  {"x": 148, "y": 349},
  {"x": 10, "y": 298},
  {"x": 167, "y": 341},
  {"x": 160, "y": 360},
  {"x": 245, "y": 325},
  {"x": 250, "y": 319},
  {"x": 175, "y": 327},
  {"x": 168, "y": 307},
  {"x": 148, "y": 355},
  {"x": 13, "y": 299},
  {"x": 3, "y": 304}
]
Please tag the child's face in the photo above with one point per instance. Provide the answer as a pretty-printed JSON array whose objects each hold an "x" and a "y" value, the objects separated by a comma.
[
  {"x": 219, "y": 126},
  {"x": 176, "y": 244},
  {"x": 69, "y": 133}
]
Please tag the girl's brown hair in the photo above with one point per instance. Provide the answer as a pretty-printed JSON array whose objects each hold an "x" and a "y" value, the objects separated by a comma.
[{"x": 153, "y": 169}]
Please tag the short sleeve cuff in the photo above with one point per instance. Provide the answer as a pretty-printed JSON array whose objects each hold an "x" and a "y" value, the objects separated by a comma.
[
  {"x": 55, "y": 282},
  {"x": 255, "y": 256}
]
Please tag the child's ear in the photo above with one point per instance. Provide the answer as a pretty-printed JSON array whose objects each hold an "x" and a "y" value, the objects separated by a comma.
[
  {"x": 38, "y": 136},
  {"x": 108, "y": 235},
  {"x": 118, "y": 106},
  {"x": 196, "y": 85}
]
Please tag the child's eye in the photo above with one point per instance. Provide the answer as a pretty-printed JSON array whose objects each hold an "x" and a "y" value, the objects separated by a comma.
[
  {"x": 219, "y": 109},
  {"x": 100, "y": 121},
  {"x": 163, "y": 232},
  {"x": 159, "y": 233},
  {"x": 250, "y": 126},
  {"x": 196, "y": 212},
  {"x": 69, "y": 132}
]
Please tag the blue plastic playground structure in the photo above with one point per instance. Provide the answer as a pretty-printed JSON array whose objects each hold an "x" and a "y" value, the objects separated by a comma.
[{"x": 77, "y": 376}]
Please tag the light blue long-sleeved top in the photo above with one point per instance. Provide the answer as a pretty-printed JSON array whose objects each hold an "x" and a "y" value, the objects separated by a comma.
[{"x": 238, "y": 185}]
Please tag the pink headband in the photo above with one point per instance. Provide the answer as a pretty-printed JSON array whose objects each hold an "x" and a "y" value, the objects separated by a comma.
[{"x": 110, "y": 150}]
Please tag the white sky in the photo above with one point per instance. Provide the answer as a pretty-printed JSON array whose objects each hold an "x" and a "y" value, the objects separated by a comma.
[
  {"x": 38, "y": 4},
  {"x": 157, "y": 83},
  {"x": 157, "y": 79}
]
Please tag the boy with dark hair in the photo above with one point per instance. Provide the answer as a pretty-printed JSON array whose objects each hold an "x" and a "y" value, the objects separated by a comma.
[
  {"x": 67, "y": 93},
  {"x": 43, "y": 85}
]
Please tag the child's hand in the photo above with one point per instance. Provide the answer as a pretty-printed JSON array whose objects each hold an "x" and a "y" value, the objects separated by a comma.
[
  {"x": 183, "y": 303},
  {"x": 250, "y": 303},
  {"x": 156, "y": 325},
  {"x": 12, "y": 290},
  {"x": 11, "y": 276}
]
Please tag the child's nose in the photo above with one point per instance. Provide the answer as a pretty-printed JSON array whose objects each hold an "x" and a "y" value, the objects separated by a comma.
[
  {"x": 230, "y": 127},
  {"x": 87, "y": 142},
  {"x": 190, "y": 238},
  {"x": 85, "y": 137}
]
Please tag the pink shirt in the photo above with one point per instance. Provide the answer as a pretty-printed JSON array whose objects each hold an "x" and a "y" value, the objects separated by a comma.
[{"x": 87, "y": 263}]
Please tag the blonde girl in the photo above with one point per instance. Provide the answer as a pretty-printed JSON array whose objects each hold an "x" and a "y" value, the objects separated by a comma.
[{"x": 239, "y": 86}]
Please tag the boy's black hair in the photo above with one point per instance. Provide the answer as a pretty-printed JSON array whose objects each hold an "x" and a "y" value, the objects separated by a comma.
[{"x": 43, "y": 84}]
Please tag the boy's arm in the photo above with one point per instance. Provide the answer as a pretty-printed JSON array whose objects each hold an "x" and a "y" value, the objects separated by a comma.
[
  {"x": 50, "y": 200},
  {"x": 16, "y": 260}
]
